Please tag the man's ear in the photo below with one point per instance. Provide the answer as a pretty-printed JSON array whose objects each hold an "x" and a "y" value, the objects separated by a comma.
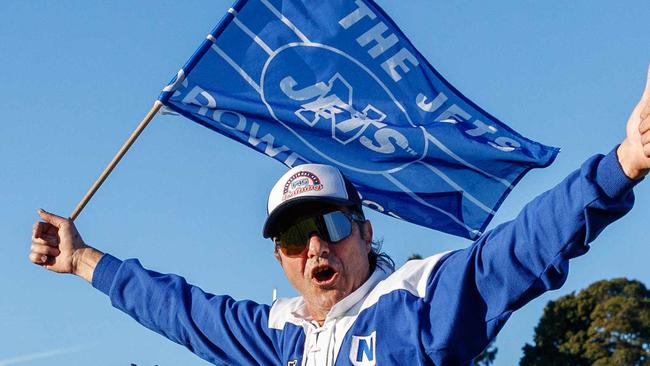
[
  {"x": 277, "y": 256},
  {"x": 366, "y": 233}
]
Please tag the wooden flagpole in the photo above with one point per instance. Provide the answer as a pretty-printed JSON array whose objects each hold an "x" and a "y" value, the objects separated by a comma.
[{"x": 116, "y": 159}]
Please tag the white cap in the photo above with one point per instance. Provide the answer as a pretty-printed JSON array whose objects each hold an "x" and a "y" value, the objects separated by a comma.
[{"x": 308, "y": 183}]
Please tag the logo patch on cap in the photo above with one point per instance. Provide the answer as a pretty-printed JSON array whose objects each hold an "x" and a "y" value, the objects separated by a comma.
[{"x": 299, "y": 183}]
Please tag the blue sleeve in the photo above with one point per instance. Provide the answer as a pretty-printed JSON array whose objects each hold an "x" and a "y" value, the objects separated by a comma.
[
  {"x": 216, "y": 328},
  {"x": 474, "y": 290}
]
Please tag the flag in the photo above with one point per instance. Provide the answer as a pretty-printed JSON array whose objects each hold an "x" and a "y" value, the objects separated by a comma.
[{"x": 336, "y": 82}]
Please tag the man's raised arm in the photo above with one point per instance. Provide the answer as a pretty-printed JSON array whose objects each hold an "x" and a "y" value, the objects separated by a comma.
[
  {"x": 216, "y": 328},
  {"x": 519, "y": 260}
]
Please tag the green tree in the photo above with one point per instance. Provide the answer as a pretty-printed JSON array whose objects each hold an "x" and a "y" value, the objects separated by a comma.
[{"x": 608, "y": 323}]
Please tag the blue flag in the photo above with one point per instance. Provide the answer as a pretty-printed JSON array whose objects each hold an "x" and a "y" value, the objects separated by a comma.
[{"x": 336, "y": 82}]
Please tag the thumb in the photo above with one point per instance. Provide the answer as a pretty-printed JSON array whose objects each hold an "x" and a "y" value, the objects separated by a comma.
[{"x": 51, "y": 218}]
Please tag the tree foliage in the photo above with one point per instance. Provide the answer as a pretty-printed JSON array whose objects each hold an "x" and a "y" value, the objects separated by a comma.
[{"x": 608, "y": 323}]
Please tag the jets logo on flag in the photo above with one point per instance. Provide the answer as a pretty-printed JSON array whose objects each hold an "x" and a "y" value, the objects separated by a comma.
[
  {"x": 336, "y": 82},
  {"x": 332, "y": 103}
]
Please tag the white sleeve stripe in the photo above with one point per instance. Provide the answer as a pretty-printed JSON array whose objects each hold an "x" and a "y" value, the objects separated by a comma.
[{"x": 412, "y": 277}]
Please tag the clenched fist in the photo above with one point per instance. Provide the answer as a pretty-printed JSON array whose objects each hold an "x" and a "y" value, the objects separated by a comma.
[{"x": 58, "y": 247}]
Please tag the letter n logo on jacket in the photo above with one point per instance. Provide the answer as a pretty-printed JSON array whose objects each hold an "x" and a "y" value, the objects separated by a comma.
[{"x": 362, "y": 351}]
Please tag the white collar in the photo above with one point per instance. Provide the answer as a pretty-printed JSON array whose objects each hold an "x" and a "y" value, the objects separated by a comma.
[
  {"x": 294, "y": 310},
  {"x": 342, "y": 307}
]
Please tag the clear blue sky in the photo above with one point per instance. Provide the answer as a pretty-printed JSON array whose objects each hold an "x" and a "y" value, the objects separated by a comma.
[{"x": 78, "y": 76}]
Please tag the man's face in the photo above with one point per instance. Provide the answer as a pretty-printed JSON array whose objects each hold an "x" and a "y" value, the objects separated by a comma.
[{"x": 325, "y": 273}]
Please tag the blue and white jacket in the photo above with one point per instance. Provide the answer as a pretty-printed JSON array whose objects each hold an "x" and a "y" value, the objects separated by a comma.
[{"x": 442, "y": 310}]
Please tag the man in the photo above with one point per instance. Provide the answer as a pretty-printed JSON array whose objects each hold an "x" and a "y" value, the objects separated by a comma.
[{"x": 353, "y": 309}]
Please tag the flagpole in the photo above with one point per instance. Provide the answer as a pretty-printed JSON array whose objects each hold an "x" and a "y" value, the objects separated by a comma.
[{"x": 116, "y": 159}]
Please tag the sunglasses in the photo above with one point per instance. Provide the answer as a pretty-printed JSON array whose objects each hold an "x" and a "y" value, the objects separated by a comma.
[{"x": 331, "y": 227}]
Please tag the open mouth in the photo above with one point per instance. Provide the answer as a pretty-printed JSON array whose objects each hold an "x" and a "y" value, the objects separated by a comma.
[{"x": 323, "y": 275}]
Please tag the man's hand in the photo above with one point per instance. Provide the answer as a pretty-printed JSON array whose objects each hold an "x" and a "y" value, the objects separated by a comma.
[
  {"x": 58, "y": 247},
  {"x": 634, "y": 152}
]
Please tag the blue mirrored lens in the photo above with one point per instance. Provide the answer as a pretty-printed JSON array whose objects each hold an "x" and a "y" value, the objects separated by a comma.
[{"x": 338, "y": 225}]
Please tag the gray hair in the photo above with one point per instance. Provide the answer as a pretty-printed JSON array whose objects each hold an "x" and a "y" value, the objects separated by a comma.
[
  {"x": 378, "y": 258},
  {"x": 375, "y": 257}
]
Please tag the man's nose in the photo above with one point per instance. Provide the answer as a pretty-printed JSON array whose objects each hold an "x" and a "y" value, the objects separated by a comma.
[{"x": 318, "y": 247}]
